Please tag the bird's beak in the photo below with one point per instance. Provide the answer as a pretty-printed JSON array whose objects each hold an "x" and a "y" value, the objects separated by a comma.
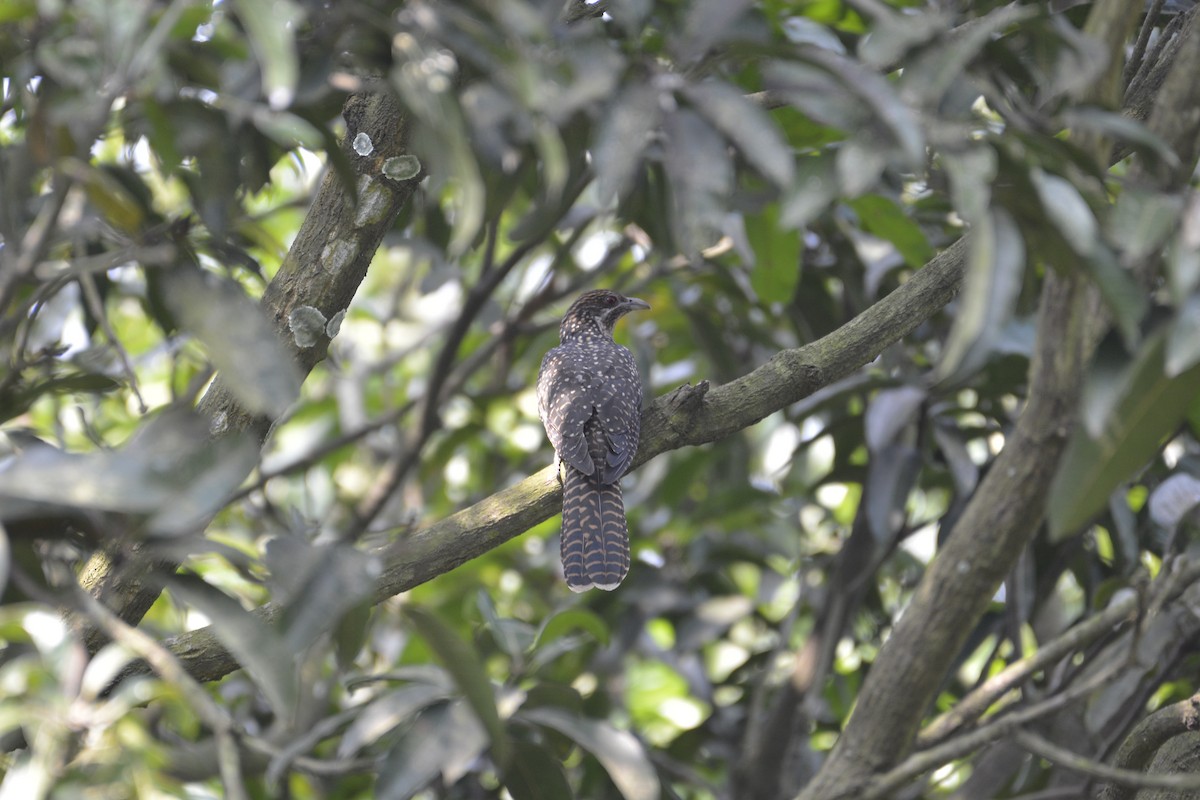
[{"x": 633, "y": 304}]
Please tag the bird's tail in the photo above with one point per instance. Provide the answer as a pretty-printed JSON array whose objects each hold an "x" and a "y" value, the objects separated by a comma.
[{"x": 595, "y": 537}]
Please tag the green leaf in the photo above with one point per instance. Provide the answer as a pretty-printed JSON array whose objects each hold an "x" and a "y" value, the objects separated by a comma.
[
  {"x": 241, "y": 343},
  {"x": 617, "y": 152},
  {"x": 1092, "y": 468},
  {"x": 1183, "y": 341},
  {"x": 170, "y": 471},
  {"x": 461, "y": 661},
  {"x": 536, "y": 774},
  {"x": 513, "y": 635},
  {"x": 776, "y": 269},
  {"x": 571, "y": 619},
  {"x": 444, "y": 740},
  {"x": 316, "y": 585},
  {"x": 386, "y": 713},
  {"x": 271, "y": 27},
  {"x": 995, "y": 268},
  {"x": 883, "y": 217},
  {"x": 256, "y": 645},
  {"x": 816, "y": 187},
  {"x": 1142, "y": 221},
  {"x": 1126, "y": 300},
  {"x": 701, "y": 173},
  {"x": 621, "y": 755},
  {"x": 1066, "y": 208},
  {"x": 1118, "y": 126},
  {"x": 929, "y": 76},
  {"x": 746, "y": 125}
]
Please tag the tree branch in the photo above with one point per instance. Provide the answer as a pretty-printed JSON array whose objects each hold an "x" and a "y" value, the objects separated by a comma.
[
  {"x": 688, "y": 416},
  {"x": 323, "y": 269},
  {"x": 1144, "y": 741},
  {"x": 1002, "y": 516}
]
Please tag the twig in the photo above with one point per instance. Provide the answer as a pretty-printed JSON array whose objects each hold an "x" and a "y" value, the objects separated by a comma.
[
  {"x": 1139, "y": 49},
  {"x": 981, "y": 699},
  {"x": 1139, "y": 747},
  {"x": 169, "y": 669},
  {"x": 924, "y": 761},
  {"x": 1040, "y": 746},
  {"x": 435, "y": 394},
  {"x": 92, "y": 297}
]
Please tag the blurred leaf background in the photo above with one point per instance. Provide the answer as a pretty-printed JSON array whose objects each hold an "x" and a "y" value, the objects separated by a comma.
[{"x": 760, "y": 173}]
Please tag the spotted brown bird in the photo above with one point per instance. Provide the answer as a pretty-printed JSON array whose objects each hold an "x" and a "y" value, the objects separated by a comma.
[{"x": 590, "y": 401}]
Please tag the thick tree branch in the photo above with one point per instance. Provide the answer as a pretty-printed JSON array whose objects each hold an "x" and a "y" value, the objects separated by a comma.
[
  {"x": 1001, "y": 518},
  {"x": 323, "y": 269},
  {"x": 1144, "y": 741}
]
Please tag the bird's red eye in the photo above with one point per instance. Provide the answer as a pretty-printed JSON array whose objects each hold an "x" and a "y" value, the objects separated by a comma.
[{"x": 610, "y": 300}]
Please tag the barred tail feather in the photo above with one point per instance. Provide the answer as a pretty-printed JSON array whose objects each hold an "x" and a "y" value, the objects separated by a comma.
[{"x": 595, "y": 538}]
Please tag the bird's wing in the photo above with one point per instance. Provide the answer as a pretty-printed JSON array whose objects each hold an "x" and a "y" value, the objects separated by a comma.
[
  {"x": 620, "y": 414},
  {"x": 566, "y": 400}
]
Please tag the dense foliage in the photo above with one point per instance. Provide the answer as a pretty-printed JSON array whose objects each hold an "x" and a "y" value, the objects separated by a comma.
[{"x": 933, "y": 269}]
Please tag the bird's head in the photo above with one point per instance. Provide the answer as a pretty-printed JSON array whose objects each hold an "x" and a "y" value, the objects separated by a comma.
[{"x": 596, "y": 313}]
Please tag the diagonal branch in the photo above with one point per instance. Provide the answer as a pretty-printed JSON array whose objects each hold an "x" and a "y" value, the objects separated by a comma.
[{"x": 688, "y": 416}]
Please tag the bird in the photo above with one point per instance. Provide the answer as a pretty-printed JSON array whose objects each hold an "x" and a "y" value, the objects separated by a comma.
[{"x": 590, "y": 403}]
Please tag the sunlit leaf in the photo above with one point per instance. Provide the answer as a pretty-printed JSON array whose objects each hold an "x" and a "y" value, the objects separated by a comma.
[
  {"x": 271, "y": 27},
  {"x": 885, "y": 219},
  {"x": 170, "y": 471}
]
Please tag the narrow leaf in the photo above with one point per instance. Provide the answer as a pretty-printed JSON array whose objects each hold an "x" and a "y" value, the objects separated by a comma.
[
  {"x": 995, "y": 267},
  {"x": 445, "y": 740},
  {"x": 461, "y": 661},
  {"x": 255, "y": 644},
  {"x": 776, "y": 269},
  {"x": 623, "y": 137},
  {"x": 621, "y": 755},
  {"x": 271, "y": 27},
  {"x": 750, "y": 128},
  {"x": 387, "y": 712},
  {"x": 535, "y": 774},
  {"x": 240, "y": 341},
  {"x": 883, "y": 217},
  {"x": 1091, "y": 469},
  {"x": 1183, "y": 341},
  {"x": 559, "y": 624}
]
